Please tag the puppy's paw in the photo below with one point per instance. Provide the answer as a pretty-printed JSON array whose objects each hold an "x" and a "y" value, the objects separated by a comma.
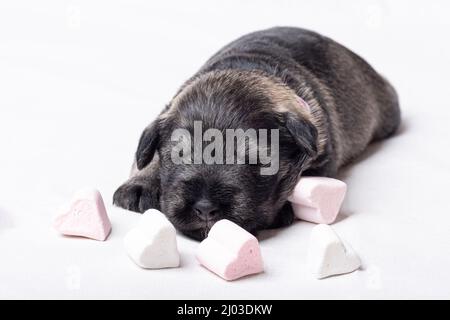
[
  {"x": 135, "y": 196},
  {"x": 284, "y": 218}
]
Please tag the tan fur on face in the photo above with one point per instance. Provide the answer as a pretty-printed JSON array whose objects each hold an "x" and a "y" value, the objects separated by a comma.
[{"x": 282, "y": 97}]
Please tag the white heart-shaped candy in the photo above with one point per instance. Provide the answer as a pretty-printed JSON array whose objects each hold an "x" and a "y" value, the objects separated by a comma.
[
  {"x": 152, "y": 244},
  {"x": 328, "y": 255}
]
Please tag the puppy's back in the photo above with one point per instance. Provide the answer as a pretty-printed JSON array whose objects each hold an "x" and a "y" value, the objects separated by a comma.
[{"x": 361, "y": 106}]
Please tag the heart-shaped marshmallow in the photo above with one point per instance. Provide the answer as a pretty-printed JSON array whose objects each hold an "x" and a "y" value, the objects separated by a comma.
[
  {"x": 230, "y": 251},
  {"x": 318, "y": 199},
  {"x": 85, "y": 216},
  {"x": 328, "y": 255},
  {"x": 153, "y": 244}
]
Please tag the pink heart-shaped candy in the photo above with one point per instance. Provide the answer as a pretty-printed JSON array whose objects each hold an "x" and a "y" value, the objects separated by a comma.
[
  {"x": 85, "y": 216},
  {"x": 230, "y": 251}
]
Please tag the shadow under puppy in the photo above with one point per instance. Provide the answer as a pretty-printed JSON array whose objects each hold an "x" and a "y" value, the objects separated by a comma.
[{"x": 327, "y": 103}]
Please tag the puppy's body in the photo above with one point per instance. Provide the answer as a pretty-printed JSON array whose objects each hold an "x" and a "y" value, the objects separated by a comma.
[
  {"x": 353, "y": 103},
  {"x": 259, "y": 81}
]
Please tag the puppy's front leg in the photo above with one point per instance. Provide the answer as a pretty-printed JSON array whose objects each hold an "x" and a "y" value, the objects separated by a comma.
[{"x": 141, "y": 192}]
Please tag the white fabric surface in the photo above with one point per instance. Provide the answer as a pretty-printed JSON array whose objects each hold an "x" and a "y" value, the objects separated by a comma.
[{"x": 80, "y": 79}]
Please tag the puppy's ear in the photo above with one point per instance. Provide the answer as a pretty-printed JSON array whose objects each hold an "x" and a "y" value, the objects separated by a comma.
[
  {"x": 303, "y": 132},
  {"x": 148, "y": 144}
]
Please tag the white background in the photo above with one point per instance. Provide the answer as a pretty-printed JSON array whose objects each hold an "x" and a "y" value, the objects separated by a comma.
[{"x": 79, "y": 80}]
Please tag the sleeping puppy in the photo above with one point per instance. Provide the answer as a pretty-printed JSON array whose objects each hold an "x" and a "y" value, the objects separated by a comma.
[{"x": 325, "y": 103}]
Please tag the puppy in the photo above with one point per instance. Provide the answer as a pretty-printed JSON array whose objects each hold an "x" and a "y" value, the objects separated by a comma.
[{"x": 326, "y": 103}]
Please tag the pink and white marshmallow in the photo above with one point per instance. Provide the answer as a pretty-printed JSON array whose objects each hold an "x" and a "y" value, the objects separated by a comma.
[
  {"x": 230, "y": 251},
  {"x": 318, "y": 199},
  {"x": 84, "y": 216}
]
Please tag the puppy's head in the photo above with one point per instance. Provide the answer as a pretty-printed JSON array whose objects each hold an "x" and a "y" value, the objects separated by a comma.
[{"x": 236, "y": 183}]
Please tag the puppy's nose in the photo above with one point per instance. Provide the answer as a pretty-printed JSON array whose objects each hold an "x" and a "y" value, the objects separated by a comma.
[{"x": 205, "y": 210}]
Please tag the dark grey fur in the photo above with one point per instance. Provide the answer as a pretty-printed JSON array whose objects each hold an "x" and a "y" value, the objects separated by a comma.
[{"x": 253, "y": 83}]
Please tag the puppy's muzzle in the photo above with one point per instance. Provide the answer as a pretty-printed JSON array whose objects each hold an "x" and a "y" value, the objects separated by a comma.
[{"x": 205, "y": 210}]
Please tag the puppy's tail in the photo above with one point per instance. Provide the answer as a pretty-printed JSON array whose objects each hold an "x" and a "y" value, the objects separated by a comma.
[{"x": 390, "y": 114}]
